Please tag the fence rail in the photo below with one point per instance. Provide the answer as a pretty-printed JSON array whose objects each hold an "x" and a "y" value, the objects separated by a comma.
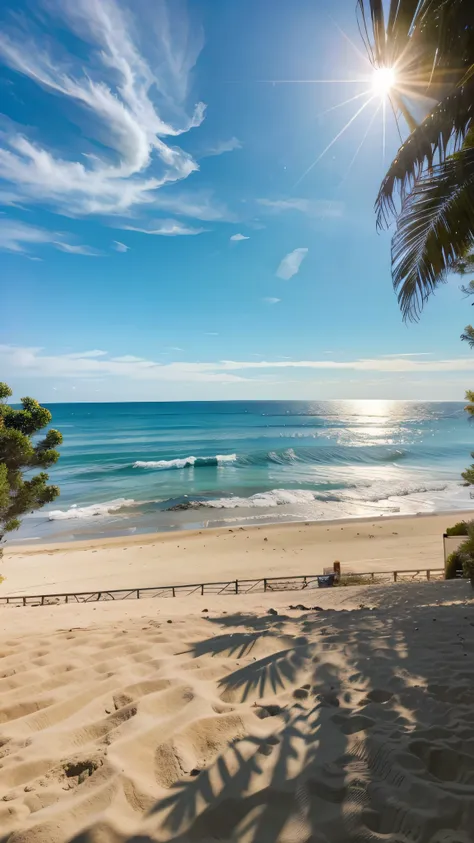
[{"x": 263, "y": 584}]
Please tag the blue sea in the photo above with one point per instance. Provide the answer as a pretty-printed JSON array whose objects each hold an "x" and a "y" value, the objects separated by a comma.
[{"x": 130, "y": 468}]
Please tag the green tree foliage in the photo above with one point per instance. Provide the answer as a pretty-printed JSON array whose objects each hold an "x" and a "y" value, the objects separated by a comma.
[
  {"x": 430, "y": 45},
  {"x": 20, "y": 453}
]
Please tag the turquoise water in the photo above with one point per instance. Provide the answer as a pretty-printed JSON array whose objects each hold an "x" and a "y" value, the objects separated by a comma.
[{"x": 161, "y": 466}]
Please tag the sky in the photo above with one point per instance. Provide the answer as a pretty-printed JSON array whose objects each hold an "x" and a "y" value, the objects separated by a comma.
[{"x": 182, "y": 216}]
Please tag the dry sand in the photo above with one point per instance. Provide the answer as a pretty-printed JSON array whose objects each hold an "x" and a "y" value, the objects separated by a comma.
[
  {"x": 210, "y": 555},
  {"x": 351, "y": 722}
]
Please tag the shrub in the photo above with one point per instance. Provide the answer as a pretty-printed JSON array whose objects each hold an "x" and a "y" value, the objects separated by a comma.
[
  {"x": 459, "y": 529},
  {"x": 454, "y": 565},
  {"x": 468, "y": 567}
]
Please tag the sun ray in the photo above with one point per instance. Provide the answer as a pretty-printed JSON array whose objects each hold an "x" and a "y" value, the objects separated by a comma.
[
  {"x": 354, "y": 81},
  {"x": 349, "y": 40},
  {"x": 364, "y": 138},
  {"x": 384, "y": 125},
  {"x": 340, "y": 104},
  {"x": 335, "y": 138}
]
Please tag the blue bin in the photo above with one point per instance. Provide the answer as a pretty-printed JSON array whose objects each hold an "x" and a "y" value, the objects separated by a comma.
[{"x": 327, "y": 581}]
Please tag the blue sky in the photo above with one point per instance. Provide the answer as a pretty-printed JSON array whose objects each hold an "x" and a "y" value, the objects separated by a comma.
[{"x": 168, "y": 229}]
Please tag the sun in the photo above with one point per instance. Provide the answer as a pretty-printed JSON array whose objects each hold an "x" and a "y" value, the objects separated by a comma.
[{"x": 383, "y": 80}]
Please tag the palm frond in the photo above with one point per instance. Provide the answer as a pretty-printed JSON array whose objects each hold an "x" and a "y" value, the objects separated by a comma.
[
  {"x": 435, "y": 229},
  {"x": 448, "y": 123}
]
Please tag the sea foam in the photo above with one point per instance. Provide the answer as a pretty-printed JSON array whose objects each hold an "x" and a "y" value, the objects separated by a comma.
[
  {"x": 95, "y": 509},
  {"x": 185, "y": 462}
]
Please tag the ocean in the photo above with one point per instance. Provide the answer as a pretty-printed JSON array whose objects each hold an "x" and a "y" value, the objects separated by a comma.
[{"x": 143, "y": 467}]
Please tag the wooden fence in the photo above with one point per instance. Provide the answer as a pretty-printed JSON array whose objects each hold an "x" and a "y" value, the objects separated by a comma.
[{"x": 263, "y": 584}]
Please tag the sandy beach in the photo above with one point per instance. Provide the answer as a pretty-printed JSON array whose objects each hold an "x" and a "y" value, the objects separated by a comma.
[
  {"x": 155, "y": 720},
  {"x": 327, "y": 715},
  {"x": 212, "y": 555}
]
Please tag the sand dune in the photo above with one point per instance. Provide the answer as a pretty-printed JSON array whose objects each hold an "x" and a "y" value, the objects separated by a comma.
[{"x": 237, "y": 724}]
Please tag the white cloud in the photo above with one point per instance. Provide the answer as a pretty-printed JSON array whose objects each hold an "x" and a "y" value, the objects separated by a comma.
[
  {"x": 221, "y": 147},
  {"x": 237, "y": 237},
  {"x": 76, "y": 250},
  {"x": 131, "y": 104},
  {"x": 291, "y": 263},
  {"x": 200, "y": 205},
  {"x": 271, "y": 300},
  {"x": 96, "y": 352},
  {"x": 167, "y": 228},
  {"x": 17, "y": 236},
  {"x": 211, "y": 334},
  {"x": 120, "y": 247},
  {"x": 320, "y": 208},
  {"x": 410, "y": 354},
  {"x": 36, "y": 363},
  {"x": 128, "y": 358}
]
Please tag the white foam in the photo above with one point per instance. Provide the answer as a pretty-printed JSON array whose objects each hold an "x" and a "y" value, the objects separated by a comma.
[
  {"x": 164, "y": 464},
  {"x": 95, "y": 509},
  {"x": 223, "y": 458},
  {"x": 184, "y": 462},
  {"x": 277, "y": 497}
]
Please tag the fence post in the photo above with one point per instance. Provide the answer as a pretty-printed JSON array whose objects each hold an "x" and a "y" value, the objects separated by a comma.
[
  {"x": 394, "y": 576},
  {"x": 236, "y": 586},
  {"x": 428, "y": 574},
  {"x": 373, "y": 575},
  {"x": 264, "y": 583},
  {"x": 173, "y": 591}
]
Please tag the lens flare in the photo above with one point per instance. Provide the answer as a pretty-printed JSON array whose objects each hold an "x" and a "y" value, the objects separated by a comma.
[{"x": 383, "y": 80}]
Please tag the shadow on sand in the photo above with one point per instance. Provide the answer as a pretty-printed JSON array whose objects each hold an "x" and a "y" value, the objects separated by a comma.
[{"x": 361, "y": 732}]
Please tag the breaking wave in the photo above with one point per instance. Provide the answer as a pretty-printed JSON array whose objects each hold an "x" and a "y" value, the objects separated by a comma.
[
  {"x": 95, "y": 509},
  {"x": 289, "y": 456},
  {"x": 185, "y": 462},
  {"x": 281, "y": 497}
]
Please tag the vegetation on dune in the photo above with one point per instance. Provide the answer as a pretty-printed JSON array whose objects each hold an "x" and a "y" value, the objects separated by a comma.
[
  {"x": 20, "y": 454},
  {"x": 459, "y": 529}
]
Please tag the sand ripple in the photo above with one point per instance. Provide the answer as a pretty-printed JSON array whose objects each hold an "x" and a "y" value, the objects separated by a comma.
[{"x": 327, "y": 727}]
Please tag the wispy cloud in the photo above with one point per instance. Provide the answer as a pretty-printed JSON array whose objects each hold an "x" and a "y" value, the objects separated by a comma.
[
  {"x": 17, "y": 236},
  {"x": 410, "y": 354},
  {"x": 71, "y": 249},
  {"x": 131, "y": 108},
  {"x": 199, "y": 205},
  {"x": 291, "y": 263},
  {"x": 120, "y": 247},
  {"x": 128, "y": 358},
  {"x": 77, "y": 355},
  {"x": 35, "y": 362},
  {"x": 270, "y": 300},
  {"x": 26, "y": 362},
  {"x": 166, "y": 228},
  {"x": 236, "y": 238},
  {"x": 320, "y": 208},
  {"x": 221, "y": 147}
]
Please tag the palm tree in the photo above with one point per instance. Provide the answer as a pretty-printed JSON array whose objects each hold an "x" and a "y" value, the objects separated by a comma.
[{"x": 430, "y": 46}]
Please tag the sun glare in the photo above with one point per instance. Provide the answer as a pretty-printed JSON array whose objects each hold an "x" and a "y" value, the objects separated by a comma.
[{"x": 383, "y": 80}]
